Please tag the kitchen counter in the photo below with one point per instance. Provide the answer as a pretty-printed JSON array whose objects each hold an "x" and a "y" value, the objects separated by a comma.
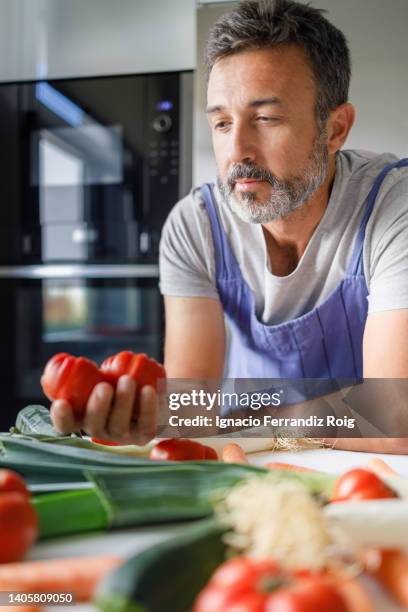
[
  {"x": 130, "y": 541},
  {"x": 331, "y": 460}
]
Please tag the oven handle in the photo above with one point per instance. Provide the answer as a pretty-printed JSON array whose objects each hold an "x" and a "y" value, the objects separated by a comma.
[{"x": 81, "y": 271}]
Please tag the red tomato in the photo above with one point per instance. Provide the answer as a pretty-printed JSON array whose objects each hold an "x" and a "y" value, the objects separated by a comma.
[
  {"x": 178, "y": 449},
  {"x": 360, "y": 484},
  {"x": 182, "y": 449},
  {"x": 216, "y": 599},
  {"x": 18, "y": 526},
  {"x": 70, "y": 378},
  {"x": 238, "y": 585},
  {"x": 307, "y": 595},
  {"x": 143, "y": 370},
  {"x": 11, "y": 481},
  {"x": 210, "y": 453},
  {"x": 247, "y": 602},
  {"x": 247, "y": 585},
  {"x": 212, "y": 599},
  {"x": 243, "y": 571},
  {"x": 105, "y": 442}
]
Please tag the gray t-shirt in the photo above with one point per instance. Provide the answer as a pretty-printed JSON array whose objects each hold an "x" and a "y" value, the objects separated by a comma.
[{"x": 187, "y": 263}]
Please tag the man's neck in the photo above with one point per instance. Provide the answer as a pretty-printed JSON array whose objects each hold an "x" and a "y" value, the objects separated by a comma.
[{"x": 286, "y": 239}]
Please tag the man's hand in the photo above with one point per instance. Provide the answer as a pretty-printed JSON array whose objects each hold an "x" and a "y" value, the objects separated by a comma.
[
  {"x": 114, "y": 416},
  {"x": 392, "y": 446},
  {"x": 385, "y": 355},
  {"x": 194, "y": 349}
]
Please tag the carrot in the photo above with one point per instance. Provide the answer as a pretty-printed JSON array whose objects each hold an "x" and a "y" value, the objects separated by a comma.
[
  {"x": 233, "y": 453},
  {"x": 289, "y": 467},
  {"x": 21, "y": 609},
  {"x": 77, "y": 575},
  {"x": 355, "y": 596},
  {"x": 392, "y": 573},
  {"x": 380, "y": 467}
]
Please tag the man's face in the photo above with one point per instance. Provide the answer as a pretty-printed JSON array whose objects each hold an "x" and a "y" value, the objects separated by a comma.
[{"x": 270, "y": 153}]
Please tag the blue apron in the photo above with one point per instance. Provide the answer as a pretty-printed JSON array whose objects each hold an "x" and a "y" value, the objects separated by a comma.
[{"x": 324, "y": 343}]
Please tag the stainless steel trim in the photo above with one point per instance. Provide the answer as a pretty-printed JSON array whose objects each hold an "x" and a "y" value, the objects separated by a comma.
[
  {"x": 81, "y": 271},
  {"x": 186, "y": 129},
  {"x": 207, "y": 2}
]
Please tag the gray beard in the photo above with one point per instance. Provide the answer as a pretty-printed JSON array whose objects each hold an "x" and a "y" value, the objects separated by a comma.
[{"x": 286, "y": 195}]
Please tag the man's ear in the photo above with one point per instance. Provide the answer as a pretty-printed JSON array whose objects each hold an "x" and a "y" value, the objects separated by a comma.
[{"x": 339, "y": 124}]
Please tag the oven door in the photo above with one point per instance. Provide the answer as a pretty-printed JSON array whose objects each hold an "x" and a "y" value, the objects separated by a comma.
[{"x": 94, "y": 311}]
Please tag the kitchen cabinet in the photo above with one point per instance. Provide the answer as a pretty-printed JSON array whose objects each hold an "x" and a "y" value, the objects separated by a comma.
[{"x": 56, "y": 39}]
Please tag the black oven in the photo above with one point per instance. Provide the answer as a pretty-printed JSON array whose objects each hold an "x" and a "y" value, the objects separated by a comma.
[
  {"x": 90, "y": 167},
  {"x": 90, "y": 170},
  {"x": 93, "y": 310}
]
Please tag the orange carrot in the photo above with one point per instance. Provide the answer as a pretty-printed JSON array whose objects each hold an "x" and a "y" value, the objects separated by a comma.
[
  {"x": 355, "y": 596},
  {"x": 392, "y": 573},
  {"x": 233, "y": 453},
  {"x": 21, "y": 608},
  {"x": 289, "y": 467},
  {"x": 77, "y": 575},
  {"x": 380, "y": 467}
]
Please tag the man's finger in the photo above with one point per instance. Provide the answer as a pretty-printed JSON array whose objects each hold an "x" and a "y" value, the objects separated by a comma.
[
  {"x": 121, "y": 413},
  {"x": 97, "y": 410},
  {"x": 63, "y": 418},
  {"x": 146, "y": 425}
]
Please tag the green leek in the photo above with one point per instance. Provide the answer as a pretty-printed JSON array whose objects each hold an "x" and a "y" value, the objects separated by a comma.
[
  {"x": 127, "y": 491},
  {"x": 70, "y": 512}
]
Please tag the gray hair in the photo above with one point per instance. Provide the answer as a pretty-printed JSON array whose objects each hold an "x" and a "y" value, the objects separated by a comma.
[{"x": 259, "y": 24}]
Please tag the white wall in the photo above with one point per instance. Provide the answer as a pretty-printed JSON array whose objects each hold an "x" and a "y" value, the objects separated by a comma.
[
  {"x": 57, "y": 38},
  {"x": 377, "y": 34},
  {"x": 62, "y": 38}
]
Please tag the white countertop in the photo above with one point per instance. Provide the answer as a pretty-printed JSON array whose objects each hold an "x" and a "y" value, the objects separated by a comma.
[
  {"x": 331, "y": 460},
  {"x": 129, "y": 541}
]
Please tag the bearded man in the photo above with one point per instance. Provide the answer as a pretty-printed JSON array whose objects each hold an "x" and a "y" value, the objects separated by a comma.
[
  {"x": 294, "y": 263},
  {"x": 300, "y": 249}
]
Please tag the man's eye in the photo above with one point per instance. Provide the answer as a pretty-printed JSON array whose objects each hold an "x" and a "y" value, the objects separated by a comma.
[
  {"x": 264, "y": 119},
  {"x": 220, "y": 125}
]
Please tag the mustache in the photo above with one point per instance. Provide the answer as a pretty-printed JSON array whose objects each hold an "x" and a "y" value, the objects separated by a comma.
[{"x": 249, "y": 171}]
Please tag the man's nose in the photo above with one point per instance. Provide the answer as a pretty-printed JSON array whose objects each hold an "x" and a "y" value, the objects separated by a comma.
[{"x": 242, "y": 148}]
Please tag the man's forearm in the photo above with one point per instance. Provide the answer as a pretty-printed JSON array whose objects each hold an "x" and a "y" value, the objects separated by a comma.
[{"x": 396, "y": 446}]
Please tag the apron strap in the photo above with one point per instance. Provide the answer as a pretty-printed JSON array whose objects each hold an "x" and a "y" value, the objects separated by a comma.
[
  {"x": 226, "y": 265},
  {"x": 355, "y": 266}
]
